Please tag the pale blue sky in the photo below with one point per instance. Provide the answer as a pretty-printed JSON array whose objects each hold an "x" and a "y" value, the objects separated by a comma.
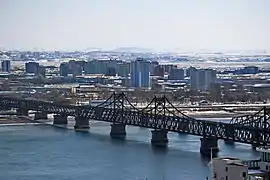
[{"x": 155, "y": 24}]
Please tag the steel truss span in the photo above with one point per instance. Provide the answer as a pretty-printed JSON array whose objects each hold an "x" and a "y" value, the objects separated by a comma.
[{"x": 160, "y": 113}]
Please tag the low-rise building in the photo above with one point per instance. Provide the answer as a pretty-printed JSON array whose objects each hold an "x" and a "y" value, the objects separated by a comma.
[{"x": 229, "y": 169}]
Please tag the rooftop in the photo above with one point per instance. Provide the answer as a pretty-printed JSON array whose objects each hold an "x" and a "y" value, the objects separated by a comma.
[
  {"x": 227, "y": 158},
  {"x": 236, "y": 164}
]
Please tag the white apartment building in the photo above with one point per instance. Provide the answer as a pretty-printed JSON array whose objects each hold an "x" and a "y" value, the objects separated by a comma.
[
  {"x": 236, "y": 169},
  {"x": 229, "y": 169}
]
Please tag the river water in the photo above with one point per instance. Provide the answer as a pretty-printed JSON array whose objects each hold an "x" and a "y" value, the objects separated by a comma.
[{"x": 37, "y": 152}]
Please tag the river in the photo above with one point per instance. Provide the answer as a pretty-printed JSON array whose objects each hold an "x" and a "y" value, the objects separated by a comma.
[{"x": 38, "y": 152}]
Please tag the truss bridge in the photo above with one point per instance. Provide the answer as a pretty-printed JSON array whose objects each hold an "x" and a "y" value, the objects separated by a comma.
[{"x": 160, "y": 115}]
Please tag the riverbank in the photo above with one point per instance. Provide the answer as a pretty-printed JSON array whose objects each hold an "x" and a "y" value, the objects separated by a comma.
[
  {"x": 9, "y": 120},
  {"x": 199, "y": 115},
  {"x": 215, "y": 114},
  {"x": 15, "y": 120}
]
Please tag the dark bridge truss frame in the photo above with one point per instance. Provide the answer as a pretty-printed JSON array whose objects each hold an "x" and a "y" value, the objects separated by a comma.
[
  {"x": 160, "y": 114},
  {"x": 260, "y": 119}
]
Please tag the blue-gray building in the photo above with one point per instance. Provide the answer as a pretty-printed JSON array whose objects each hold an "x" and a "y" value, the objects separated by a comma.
[
  {"x": 64, "y": 69},
  {"x": 35, "y": 68},
  {"x": 140, "y": 73},
  {"x": 32, "y": 67},
  {"x": 201, "y": 79},
  {"x": 72, "y": 67},
  {"x": 6, "y": 66},
  {"x": 176, "y": 74}
]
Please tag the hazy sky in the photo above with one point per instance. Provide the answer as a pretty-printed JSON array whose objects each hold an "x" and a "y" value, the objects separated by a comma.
[{"x": 155, "y": 24}]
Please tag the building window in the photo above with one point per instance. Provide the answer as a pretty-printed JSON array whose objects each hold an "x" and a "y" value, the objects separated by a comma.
[
  {"x": 226, "y": 177},
  {"x": 244, "y": 174},
  {"x": 266, "y": 167},
  {"x": 226, "y": 169}
]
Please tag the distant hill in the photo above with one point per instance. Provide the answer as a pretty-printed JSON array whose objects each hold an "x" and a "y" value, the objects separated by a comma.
[{"x": 132, "y": 50}]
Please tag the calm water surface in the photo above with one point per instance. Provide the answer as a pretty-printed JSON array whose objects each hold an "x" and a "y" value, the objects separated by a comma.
[{"x": 44, "y": 153}]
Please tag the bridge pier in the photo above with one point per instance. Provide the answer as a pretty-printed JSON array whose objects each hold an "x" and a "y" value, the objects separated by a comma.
[
  {"x": 81, "y": 123},
  {"x": 60, "y": 119},
  {"x": 254, "y": 146},
  {"x": 256, "y": 140},
  {"x": 159, "y": 137},
  {"x": 118, "y": 131},
  {"x": 22, "y": 112},
  {"x": 208, "y": 144},
  {"x": 229, "y": 132},
  {"x": 40, "y": 115}
]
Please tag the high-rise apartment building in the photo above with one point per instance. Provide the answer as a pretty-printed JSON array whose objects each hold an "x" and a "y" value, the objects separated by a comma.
[
  {"x": 91, "y": 67},
  {"x": 6, "y": 66},
  {"x": 42, "y": 71},
  {"x": 140, "y": 73},
  {"x": 72, "y": 67},
  {"x": 201, "y": 79},
  {"x": 123, "y": 69},
  {"x": 35, "y": 68},
  {"x": 75, "y": 67},
  {"x": 177, "y": 74},
  {"x": 159, "y": 71},
  {"x": 64, "y": 69},
  {"x": 32, "y": 67}
]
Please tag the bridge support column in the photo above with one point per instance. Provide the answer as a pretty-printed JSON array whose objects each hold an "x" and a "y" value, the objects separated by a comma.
[
  {"x": 229, "y": 132},
  {"x": 254, "y": 146},
  {"x": 208, "y": 144},
  {"x": 22, "y": 112},
  {"x": 159, "y": 138},
  {"x": 81, "y": 123},
  {"x": 60, "y": 119},
  {"x": 40, "y": 115},
  {"x": 255, "y": 139},
  {"x": 118, "y": 130}
]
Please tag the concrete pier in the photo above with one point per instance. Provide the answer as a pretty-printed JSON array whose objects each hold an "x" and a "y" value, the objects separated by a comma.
[
  {"x": 40, "y": 115},
  {"x": 159, "y": 138},
  {"x": 118, "y": 131},
  {"x": 60, "y": 119},
  {"x": 229, "y": 132},
  {"x": 81, "y": 123},
  {"x": 208, "y": 143},
  {"x": 22, "y": 112},
  {"x": 254, "y": 146},
  {"x": 256, "y": 139}
]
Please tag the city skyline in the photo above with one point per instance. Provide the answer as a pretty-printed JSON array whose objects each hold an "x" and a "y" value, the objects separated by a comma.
[{"x": 158, "y": 25}]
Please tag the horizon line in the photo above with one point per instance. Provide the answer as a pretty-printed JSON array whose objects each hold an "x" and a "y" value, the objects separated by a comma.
[{"x": 132, "y": 49}]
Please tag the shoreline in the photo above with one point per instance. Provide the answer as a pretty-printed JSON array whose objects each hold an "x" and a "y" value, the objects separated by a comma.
[
  {"x": 16, "y": 120},
  {"x": 210, "y": 115},
  {"x": 18, "y": 124}
]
